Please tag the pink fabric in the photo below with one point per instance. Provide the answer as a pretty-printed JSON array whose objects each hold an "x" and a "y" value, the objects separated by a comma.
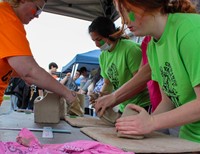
[
  {"x": 144, "y": 45},
  {"x": 27, "y": 143},
  {"x": 153, "y": 87}
]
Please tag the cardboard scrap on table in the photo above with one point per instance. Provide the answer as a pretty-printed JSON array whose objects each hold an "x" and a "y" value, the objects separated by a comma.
[
  {"x": 152, "y": 143},
  {"x": 85, "y": 121}
]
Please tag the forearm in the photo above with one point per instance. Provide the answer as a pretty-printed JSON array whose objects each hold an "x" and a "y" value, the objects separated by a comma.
[
  {"x": 33, "y": 74},
  {"x": 165, "y": 105},
  {"x": 45, "y": 81},
  {"x": 134, "y": 85},
  {"x": 185, "y": 114}
]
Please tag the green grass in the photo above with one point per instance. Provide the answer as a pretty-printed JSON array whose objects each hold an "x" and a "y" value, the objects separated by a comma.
[{"x": 6, "y": 97}]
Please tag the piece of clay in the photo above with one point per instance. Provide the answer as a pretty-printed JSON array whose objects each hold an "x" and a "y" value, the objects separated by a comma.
[
  {"x": 129, "y": 112},
  {"x": 110, "y": 117},
  {"x": 47, "y": 108}
]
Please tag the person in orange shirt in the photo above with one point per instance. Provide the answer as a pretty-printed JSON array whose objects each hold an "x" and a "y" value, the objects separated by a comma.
[
  {"x": 16, "y": 58},
  {"x": 53, "y": 69}
]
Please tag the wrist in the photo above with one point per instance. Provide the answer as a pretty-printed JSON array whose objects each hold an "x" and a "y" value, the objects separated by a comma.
[
  {"x": 71, "y": 97},
  {"x": 114, "y": 98},
  {"x": 153, "y": 123}
]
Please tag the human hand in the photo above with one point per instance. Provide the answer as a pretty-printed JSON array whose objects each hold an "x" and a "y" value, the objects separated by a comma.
[
  {"x": 73, "y": 97},
  {"x": 92, "y": 98},
  {"x": 139, "y": 124},
  {"x": 104, "y": 102}
]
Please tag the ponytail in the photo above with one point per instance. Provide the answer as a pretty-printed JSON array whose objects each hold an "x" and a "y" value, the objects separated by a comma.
[{"x": 179, "y": 6}]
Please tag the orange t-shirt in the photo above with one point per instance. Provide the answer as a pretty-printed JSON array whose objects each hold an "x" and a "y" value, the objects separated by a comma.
[
  {"x": 13, "y": 42},
  {"x": 54, "y": 76}
]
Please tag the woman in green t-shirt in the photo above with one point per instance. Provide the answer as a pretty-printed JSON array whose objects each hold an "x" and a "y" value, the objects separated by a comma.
[
  {"x": 173, "y": 55},
  {"x": 119, "y": 60}
]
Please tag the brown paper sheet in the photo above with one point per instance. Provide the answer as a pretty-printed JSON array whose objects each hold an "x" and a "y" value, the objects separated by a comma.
[{"x": 152, "y": 143}]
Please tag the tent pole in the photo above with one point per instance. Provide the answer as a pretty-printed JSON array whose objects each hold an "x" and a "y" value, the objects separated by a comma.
[{"x": 74, "y": 68}]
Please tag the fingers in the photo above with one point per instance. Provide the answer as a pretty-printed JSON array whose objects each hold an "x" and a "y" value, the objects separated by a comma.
[
  {"x": 123, "y": 127},
  {"x": 99, "y": 108},
  {"x": 139, "y": 124},
  {"x": 126, "y": 126},
  {"x": 131, "y": 132},
  {"x": 92, "y": 98},
  {"x": 100, "y": 105},
  {"x": 92, "y": 103},
  {"x": 128, "y": 129},
  {"x": 102, "y": 112},
  {"x": 125, "y": 120}
]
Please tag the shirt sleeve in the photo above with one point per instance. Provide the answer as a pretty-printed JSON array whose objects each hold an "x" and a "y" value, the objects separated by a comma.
[
  {"x": 134, "y": 56},
  {"x": 13, "y": 40},
  {"x": 190, "y": 55}
]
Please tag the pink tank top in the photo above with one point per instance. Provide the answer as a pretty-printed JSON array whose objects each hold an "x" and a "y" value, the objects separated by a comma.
[{"x": 153, "y": 87}]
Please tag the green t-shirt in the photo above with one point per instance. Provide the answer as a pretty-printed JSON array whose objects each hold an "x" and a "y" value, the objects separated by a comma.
[
  {"x": 175, "y": 63},
  {"x": 119, "y": 65}
]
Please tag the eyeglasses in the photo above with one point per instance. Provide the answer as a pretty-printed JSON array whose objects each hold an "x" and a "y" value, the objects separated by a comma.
[{"x": 39, "y": 9}]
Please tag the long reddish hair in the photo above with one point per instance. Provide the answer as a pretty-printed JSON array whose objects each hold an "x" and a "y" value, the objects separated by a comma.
[{"x": 150, "y": 6}]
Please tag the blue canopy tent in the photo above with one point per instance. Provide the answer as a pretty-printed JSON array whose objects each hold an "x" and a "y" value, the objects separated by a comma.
[{"x": 88, "y": 59}]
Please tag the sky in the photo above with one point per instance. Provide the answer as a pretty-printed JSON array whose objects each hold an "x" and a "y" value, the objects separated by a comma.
[{"x": 56, "y": 38}]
